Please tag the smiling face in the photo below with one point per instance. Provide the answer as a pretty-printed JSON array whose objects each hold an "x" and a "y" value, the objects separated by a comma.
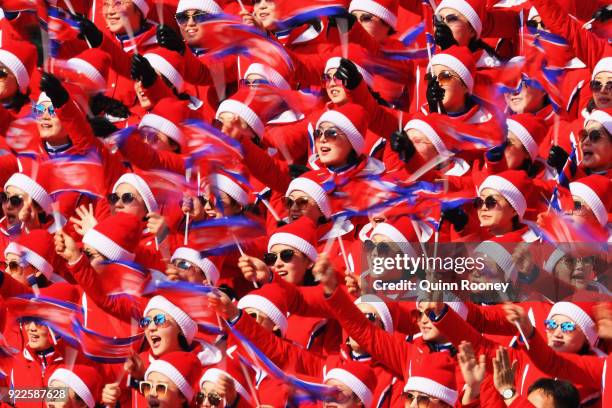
[
  {"x": 12, "y": 212},
  {"x": 528, "y": 100},
  {"x": 136, "y": 207},
  {"x": 164, "y": 338},
  {"x": 597, "y": 156},
  {"x": 143, "y": 96},
  {"x": 498, "y": 220},
  {"x": 334, "y": 88},
  {"x": 264, "y": 12},
  {"x": 171, "y": 399},
  {"x": 37, "y": 336},
  {"x": 462, "y": 30},
  {"x": 118, "y": 12},
  {"x": 603, "y": 98},
  {"x": 332, "y": 151},
  {"x": 373, "y": 25},
  {"x": 302, "y": 204},
  {"x": 428, "y": 330},
  {"x": 50, "y": 127},
  {"x": 515, "y": 152},
  {"x": 571, "y": 342},
  {"x": 192, "y": 32},
  {"x": 294, "y": 270},
  {"x": 455, "y": 90}
]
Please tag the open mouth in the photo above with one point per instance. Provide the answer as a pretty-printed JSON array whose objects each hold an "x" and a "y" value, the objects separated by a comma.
[
  {"x": 33, "y": 337},
  {"x": 46, "y": 125},
  {"x": 282, "y": 273},
  {"x": 557, "y": 344},
  {"x": 155, "y": 341},
  {"x": 334, "y": 92},
  {"x": 324, "y": 149},
  {"x": 263, "y": 15}
]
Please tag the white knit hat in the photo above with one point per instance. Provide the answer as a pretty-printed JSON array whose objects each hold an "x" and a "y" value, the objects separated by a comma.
[
  {"x": 35, "y": 190},
  {"x": 75, "y": 383},
  {"x": 294, "y": 241},
  {"x": 579, "y": 316},
  {"x": 501, "y": 256},
  {"x": 165, "y": 68},
  {"x": 209, "y": 6},
  {"x": 231, "y": 187},
  {"x": 142, "y": 187},
  {"x": 394, "y": 235},
  {"x": 314, "y": 190},
  {"x": 602, "y": 117},
  {"x": 193, "y": 256},
  {"x": 381, "y": 308},
  {"x": 268, "y": 73},
  {"x": 353, "y": 135},
  {"x": 430, "y": 133},
  {"x": 334, "y": 63},
  {"x": 186, "y": 323},
  {"x": 524, "y": 136},
  {"x": 266, "y": 306},
  {"x": 465, "y": 8},
  {"x": 163, "y": 125},
  {"x": 585, "y": 192},
  {"x": 603, "y": 65},
  {"x": 214, "y": 374},
  {"x": 143, "y": 6},
  {"x": 242, "y": 110},
  {"x": 376, "y": 8},
  {"x": 88, "y": 70},
  {"x": 508, "y": 190},
  {"x": 355, "y": 384},
  {"x": 454, "y": 63}
]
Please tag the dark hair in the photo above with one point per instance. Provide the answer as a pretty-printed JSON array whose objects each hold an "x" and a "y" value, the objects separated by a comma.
[
  {"x": 18, "y": 101},
  {"x": 183, "y": 344},
  {"x": 516, "y": 223},
  {"x": 564, "y": 394}
]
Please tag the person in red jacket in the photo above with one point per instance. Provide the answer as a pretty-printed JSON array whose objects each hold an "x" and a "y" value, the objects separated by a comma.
[
  {"x": 592, "y": 201},
  {"x": 596, "y": 142},
  {"x": 17, "y": 66},
  {"x": 83, "y": 384},
  {"x": 225, "y": 385},
  {"x": 26, "y": 203},
  {"x": 601, "y": 83}
]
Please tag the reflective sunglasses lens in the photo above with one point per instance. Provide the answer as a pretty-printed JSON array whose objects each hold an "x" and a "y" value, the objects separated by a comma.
[
  {"x": 550, "y": 324},
  {"x": 15, "y": 201},
  {"x": 331, "y": 134},
  {"x": 286, "y": 255},
  {"x": 145, "y": 322},
  {"x": 568, "y": 327},
  {"x": 159, "y": 319},
  {"x": 370, "y": 316},
  {"x": 127, "y": 198},
  {"x": 181, "y": 18}
]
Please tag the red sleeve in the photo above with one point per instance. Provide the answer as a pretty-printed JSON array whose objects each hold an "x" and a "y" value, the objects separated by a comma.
[
  {"x": 489, "y": 319},
  {"x": 6, "y": 117},
  {"x": 308, "y": 68},
  {"x": 500, "y": 23},
  {"x": 382, "y": 121},
  {"x": 584, "y": 370},
  {"x": 390, "y": 350},
  {"x": 272, "y": 172},
  {"x": 281, "y": 352},
  {"x": 9, "y": 286},
  {"x": 196, "y": 72},
  {"x": 290, "y": 139},
  {"x": 123, "y": 307},
  {"x": 589, "y": 47},
  {"x": 304, "y": 301},
  {"x": 121, "y": 61},
  {"x": 73, "y": 120},
  {"x": 8, "y": 166},
  {"x": 145, "y": 157}
]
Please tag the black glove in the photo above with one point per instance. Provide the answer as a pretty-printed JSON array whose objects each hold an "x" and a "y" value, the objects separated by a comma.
[
  {"x": 170, "y": 39},
  {"x": 143, "y": 71},
  {"x": 54, "y": 89},
  {"x": 557, "y": 157},
  {"x": 603, "y": 14},
  {"x": 349, "y": 75},
  {"x": 435, "y": 94},
  {"x": 101, "y": 103},
  {"x": 332, "y": 21},
  {"x": 296, "y": 170},
  {"x": 401, "y": 143},
  {"x": 496, "y": 153},
  {"x": 88, "y": 31},
  {"x": 457, "y": 217},
  {"x": 443, "y": 36},
  {"x": 102, "y": 127}
]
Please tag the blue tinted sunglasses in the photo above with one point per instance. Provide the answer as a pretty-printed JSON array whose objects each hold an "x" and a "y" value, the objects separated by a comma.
[
  {"x": 566, "y": 327},
  {"x": 159, "y": 320},
  {"x": 39, "y": 110},
  {"x": 253, "y": 83}
]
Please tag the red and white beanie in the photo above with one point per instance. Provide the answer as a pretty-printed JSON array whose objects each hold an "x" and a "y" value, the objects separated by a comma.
[
  {"x": 581, "y": 315},
  {"x": 400, "y": 231},
  {"x": 244, "y": 104},
  {"x": 165, "y": 117},
  {"x": 601, "y": 116},
  {"x": 501, "y": 256},
  {"x": 187, "y": 325},
  {"x": 116, "y": 237},
  {"x": 551, "y": 256},
  {"x": 20, "y": 58},
  {"x": 193, "y": 256},
  {"x": 386, "y": 10},
  {"x": 270, "y": 300},
  {"x": 230, "y": 185},
  {"x": 434, "y": 376},
  {"x": 36, "y": 248},
  {"x": 512, "y": 185},
  {"x": 358, "y": 56},
  {"x": 603, "y": 65},
  {"x": 310, "y": 183},
  {"x": 36, "y": 191},
  {"x": 381, "y": 308},
  {"x": 530, "y": 130},
  {"x": 142, "y": 187},
  {"x": 207, "y": 6},
  {"x": 181, "y": 367},
  {"x": 458, "y": 59},
  {"x": 425, "y": 125},
  {"x": 596, "y": 191},
  {"x": 143, "y": 5},
  {"x": 94, "y": 64},
  {"x": 472, "y": 10},
  {"x": 352, "y": 120},
  {"x": 228, "y": 368},
  {"x": 84, "y": 380},
  {"x": 168, "y": 63},
  {"x": 300, "y": 234},
  {"x": 269, "y": 73},
  {"x": 359, "y": 377}
]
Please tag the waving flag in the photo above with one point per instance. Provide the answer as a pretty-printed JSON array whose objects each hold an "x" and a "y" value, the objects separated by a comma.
[
  {"x": 117, "y": 139},
  {"x": 20, "y": 5},
  {"x": 69, "y": 73},
  {"x": 209, "y": 148},
  {"x": 122, "y": 277},
  {"x": 103, "y": 349},
  {"x": 168, "y": 187},
  {"x": 226, "y": 231},
  {"x": 296, "y": 13},
  {"x": 74, "y": 173}
]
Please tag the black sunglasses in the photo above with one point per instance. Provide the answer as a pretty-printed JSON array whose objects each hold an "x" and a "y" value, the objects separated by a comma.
[
  {"x": 13, "y": 266},
  {"x": 300, "y": 202},
  {"x": 370, "y": 316},
  {"x": 327, "y": 78},
  {"x": 489, "y": 202},
  {"x": 535, "y": 24},
  {"x": 330, "y": 134},
  {"x": 126, "y": 198},
  {"x": 451, "y": 18},
  {"x": 422, "y": 400},
  {"x": 382, "y": 248},
  {"x": 214, "y": 399},
  {"x": 367, "y": 17},
  {"x": 198, "y": 18},
  {"x": 594, "y": 135},
  {"x": 4, "y": 72},
  {"x": 14, "y": 200},
  {"x": 286, "y": 255},
  {"x": 598, "y": 86}
]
